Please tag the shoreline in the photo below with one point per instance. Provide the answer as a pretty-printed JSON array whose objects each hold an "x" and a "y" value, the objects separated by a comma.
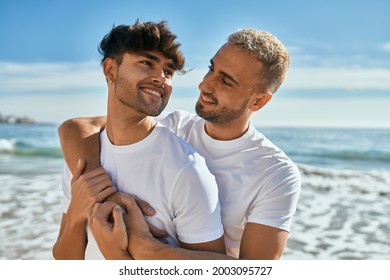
[{"x": 330, "y": 223}]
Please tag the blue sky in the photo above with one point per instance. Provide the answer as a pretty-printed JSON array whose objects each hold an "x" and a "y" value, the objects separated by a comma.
[{"x": 340, "y": 54}]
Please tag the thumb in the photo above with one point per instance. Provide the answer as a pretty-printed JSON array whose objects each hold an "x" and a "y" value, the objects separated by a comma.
[
  {"x": 128, "y": 201},
  {"x": 119, "y": 223},
  {"x": 78, "y": 170},
  {"x": 131, "y": 208},
  {"x": 145, "y": 207}
]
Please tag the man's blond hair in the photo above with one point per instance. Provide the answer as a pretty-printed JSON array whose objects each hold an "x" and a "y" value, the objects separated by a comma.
[{"x": 269, "y": 50}]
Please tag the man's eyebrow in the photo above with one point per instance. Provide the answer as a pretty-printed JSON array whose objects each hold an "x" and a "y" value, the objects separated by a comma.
[
  {"x": 230, "y": 77},
  {"x": 155, "y": 58}
]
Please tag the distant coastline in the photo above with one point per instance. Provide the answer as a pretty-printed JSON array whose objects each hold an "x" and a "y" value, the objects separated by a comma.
[{"x": 16, "y": 119}]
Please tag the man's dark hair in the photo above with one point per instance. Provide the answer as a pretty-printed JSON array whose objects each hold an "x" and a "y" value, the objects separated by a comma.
[{"x": 147, "y": 36}]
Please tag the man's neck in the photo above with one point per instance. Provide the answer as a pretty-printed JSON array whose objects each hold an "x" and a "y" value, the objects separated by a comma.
[
  {"x": 126, "y": 130},
  {"x": 226, "y": 132}
]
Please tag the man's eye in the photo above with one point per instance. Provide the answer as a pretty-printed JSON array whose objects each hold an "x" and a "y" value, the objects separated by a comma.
[
  {"x": 168, "y": 73},
  {"x": 148, "y": 63},
  {"x": 226, "y": 83}
]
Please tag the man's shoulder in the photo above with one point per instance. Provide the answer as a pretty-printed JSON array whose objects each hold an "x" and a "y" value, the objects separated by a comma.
[
  {"x": 179, "y": 114},
  {"x": 180, "y": 155},
  {"x": 178, "y": 119},
  {"x": 177, "y": 145},
  {"x": 273, "y": 157}
]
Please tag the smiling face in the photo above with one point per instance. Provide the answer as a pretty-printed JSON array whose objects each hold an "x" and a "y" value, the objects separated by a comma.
[
  {"x": 143, "y": 81},
  {"x": 229, "y": 89}
]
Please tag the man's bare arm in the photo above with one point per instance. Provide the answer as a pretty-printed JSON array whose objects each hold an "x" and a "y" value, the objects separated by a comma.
[
  {"x": 147, "y": 248},
  {"x": 142, "y": 245},
  {"x": 258, "y": 243},
  {"x": 79, "y": 138},
  {"x": 71, "y": 241},
  {"x": 261, "y": 242},
  {"x": 86, "y": 190}
]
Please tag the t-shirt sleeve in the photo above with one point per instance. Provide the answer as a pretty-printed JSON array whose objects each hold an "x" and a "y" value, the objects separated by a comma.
[
  {"x": 66, "y": 188},
  {"x": 196, "y": 206},
  {"x": 277, "y": 207}
]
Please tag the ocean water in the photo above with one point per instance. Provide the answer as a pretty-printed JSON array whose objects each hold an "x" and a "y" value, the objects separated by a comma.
[
  {"x": 343, "y": 211},
  {"x": 344, "y": 207}
]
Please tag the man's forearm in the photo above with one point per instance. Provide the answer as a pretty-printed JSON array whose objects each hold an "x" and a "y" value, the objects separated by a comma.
[
  {"x": 71, "y": 243},
  {"x": 80, "y": 139},
  {"x": 147, "y": 248}
]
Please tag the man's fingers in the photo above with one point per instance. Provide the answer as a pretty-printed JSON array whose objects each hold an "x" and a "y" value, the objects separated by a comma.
[
  {"x": 145, "y": 207},
  {"x": 119, "y": 223},
  {"x": 157, "y": 233},
  {"x": 78, "y": 170},
  {"x": 102, "y": 211},
  {"x": 95, "y": 184},
  {"x": 100, "y": 182},
  {"x": 106, "y": 192},
  {"x": 128, "y": 201},
  {"x": 116, "y": 197},
  {"x": 100, "y": 171},
  {"x": 93, "y": 214},
  {"x": 131, "y": 209}
]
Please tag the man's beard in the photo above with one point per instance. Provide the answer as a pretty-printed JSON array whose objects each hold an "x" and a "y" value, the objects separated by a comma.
[
  {"x": 222, "y": 115},
  {"x": 129, "y": 96}
]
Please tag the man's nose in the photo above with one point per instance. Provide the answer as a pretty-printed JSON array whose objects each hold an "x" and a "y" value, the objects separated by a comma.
[
  {"x": 159, "y": 77},
  {"x": 207, "y": 84}
]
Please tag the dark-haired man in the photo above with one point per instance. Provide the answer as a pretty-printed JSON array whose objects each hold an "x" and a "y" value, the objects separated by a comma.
[{"x": 141, "y": 156}]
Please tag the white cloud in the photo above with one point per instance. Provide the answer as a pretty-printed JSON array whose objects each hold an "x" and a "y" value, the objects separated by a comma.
[
  {"x": 314, "y": 78},
  {"x": 317, "y": 112},
  {"x": 72, "y": 78},
  {"x": 42, "y": 77},
  {"x": 87, "y": 76},
  {"x": 66, "y": 76},
  {"x": 338, "y": 78},
  {"x": 385, "y": 46}
]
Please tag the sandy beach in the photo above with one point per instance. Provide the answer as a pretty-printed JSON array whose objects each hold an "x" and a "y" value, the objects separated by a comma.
[
  {"x": 331, "y": 223},
  {"x": 339, "y": 221},
  {"x": 30, "y": 212}
]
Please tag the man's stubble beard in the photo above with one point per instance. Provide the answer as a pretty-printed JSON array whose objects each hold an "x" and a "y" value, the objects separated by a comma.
[
  {"x": 222, "y": 115},
  {"x": 128, "y": 94}
]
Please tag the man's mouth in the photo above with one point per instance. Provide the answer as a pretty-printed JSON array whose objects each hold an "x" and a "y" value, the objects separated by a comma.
[
  {"x": 207, "y": 99},
  {"x": 156, "y": 92}
]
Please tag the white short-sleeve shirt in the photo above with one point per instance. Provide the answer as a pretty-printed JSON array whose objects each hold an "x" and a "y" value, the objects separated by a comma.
[
  {"x": 257, "y": 182},
  {"x": 165, "y": 171}
]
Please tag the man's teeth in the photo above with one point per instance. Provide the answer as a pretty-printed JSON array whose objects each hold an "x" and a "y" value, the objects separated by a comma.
[
  {"x": 207, "y": 100},
  {"x": 152, "y": 92}
]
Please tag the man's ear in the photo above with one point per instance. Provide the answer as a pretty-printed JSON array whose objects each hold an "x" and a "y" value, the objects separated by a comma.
[
  {"x": 259, "y": 100},
  {"x": 110, "y": 68}
]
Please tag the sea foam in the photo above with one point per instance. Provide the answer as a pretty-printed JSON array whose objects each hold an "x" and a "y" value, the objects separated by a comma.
[{"x": 7, "y": 145}]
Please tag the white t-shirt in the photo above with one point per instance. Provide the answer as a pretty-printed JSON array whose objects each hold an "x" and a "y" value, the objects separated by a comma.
[
  {"x": 165, "y": 171},
  {"x": 257, "y": 182}
]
